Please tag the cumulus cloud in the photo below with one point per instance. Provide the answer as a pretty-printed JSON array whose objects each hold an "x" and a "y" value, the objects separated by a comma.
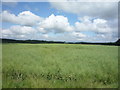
[
  {"x": 18, "y": 32},
  {"x": 57, "y": 24},
  {"x": 22, "y": 29},
  {"x": 24, "y": 18},
  {"x": 96, "y": 25},
  {"x": 101, "y": 38},
  {"x": 25, "y": 32},
  {"x": 106, "y": 10},
  {"x": 78, "y": 35},
  {"x": 57, "y": 27}
]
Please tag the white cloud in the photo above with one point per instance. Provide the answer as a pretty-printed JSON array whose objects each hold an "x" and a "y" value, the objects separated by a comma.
[
  {"x": 78, "y": 35},
  {"x": 106, "y": 10},
  {"x": 41, "y": 30},
  {"x": 57, "y": 27},
  {"x": 101, "y": 19},
  {"x": 25, "y": 32},
  {"x": 96, "y": 25},
  {"x": 57, "y": 24},
  {"x": 24, "y": 18},
  {"x": 45, "y": 35},
  {"x": 18, "y": 32},
  {"x": 22, "y": 29}
]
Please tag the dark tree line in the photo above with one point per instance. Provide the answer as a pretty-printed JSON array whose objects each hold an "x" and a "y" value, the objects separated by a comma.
[
  {"x": 28, "y": 41},
  {"x": 117, "y": 43}
]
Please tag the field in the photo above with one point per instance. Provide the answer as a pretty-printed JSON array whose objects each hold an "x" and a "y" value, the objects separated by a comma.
[{"x": 59, "y": 66}]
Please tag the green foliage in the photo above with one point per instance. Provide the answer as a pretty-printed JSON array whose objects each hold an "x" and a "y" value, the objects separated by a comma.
[{"x": 59, "y": 66}]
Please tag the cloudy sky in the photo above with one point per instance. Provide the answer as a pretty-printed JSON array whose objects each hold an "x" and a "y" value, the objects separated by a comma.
[{"x": 60, "y": 21}]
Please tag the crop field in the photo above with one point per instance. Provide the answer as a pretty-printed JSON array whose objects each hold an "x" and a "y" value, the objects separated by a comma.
[{"x": 59, "y": 66}]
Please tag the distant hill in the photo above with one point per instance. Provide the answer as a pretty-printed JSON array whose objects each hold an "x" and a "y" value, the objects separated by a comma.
[{"x": 117, "y": 43}]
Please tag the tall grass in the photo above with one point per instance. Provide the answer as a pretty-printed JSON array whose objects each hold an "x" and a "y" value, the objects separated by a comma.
[{"x": 59, "y": 66}]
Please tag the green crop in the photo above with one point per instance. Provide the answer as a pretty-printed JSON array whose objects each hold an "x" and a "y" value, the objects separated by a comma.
[{"x": 59, "y": 66}]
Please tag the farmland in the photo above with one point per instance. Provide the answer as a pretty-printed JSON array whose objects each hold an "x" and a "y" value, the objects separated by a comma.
[{"x": 59, "y": 66}]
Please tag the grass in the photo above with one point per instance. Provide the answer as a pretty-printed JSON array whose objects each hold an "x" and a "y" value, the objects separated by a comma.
[{"x": 59, "y": 66}]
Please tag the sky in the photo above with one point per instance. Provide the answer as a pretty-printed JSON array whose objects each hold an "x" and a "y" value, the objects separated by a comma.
[{"x": 60, "y": 21}]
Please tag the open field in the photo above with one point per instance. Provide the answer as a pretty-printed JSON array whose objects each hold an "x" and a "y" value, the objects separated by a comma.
[{"x": 59, "y": 66}]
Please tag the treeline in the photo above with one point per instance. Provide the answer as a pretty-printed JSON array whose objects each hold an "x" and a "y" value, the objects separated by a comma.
[
  {"x": 28, "y": 41},
  {"x": 117, "y": 43}
]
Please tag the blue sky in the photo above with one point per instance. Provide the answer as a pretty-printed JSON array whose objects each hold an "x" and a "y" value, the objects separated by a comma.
[{"x": 60, "y": 21}]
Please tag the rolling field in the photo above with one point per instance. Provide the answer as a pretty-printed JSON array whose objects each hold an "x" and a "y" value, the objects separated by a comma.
[{"x": 59, "y": 66}]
